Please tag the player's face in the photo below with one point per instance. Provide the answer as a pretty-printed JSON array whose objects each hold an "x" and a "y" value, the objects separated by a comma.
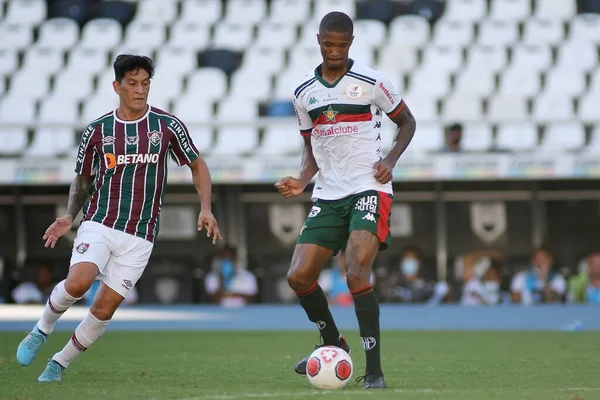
[
  {"x": 334, "y": 48},
  {"x": 133, "y": 89}
]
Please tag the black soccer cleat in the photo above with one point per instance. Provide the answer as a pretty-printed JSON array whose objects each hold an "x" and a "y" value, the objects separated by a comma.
[
  {"x": 373, "y": 380},
  {"x": 300, "y": 366}
]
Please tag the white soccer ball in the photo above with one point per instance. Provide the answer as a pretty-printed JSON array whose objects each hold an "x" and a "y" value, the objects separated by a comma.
[{"x": 329, "y": 367}]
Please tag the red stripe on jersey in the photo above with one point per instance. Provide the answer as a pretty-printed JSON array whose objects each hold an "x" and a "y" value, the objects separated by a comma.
[
  {"x": 343, "y": 118},
  {"x": 160, "y": 176},
  {"x": 114, "y": 196},
  {"x": 383, "y": 222},
  {"x": 397, "y": 110},
  {"x": 139, "y": 180}
]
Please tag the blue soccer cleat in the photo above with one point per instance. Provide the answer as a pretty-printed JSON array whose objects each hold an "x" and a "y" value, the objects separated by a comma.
[
  {"x": 52, "y": 373},
  {"x": 30, "y": 347}
]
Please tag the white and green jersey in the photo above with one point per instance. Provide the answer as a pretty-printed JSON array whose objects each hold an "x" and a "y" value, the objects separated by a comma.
[{"x": 344, "y": 120}]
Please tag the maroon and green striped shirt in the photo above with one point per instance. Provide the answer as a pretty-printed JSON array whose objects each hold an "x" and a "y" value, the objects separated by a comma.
[{"x": 129, "y": 162}]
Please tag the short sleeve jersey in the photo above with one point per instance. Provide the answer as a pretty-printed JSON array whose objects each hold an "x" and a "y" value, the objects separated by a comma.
[{"x": 343, "y": 120}]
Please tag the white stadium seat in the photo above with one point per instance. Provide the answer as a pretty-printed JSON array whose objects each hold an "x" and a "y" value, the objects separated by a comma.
[
  {"x": 429, "y": 137},
  {"x": 29, "y": 84},
  {"x": 192, "y": 110},
  {"x": 578, "y": 56},
  {"x": 60, "y": 33},
  {"x": 281, "y": 138},
  {"x": 235, "y": 140},
  {"x": 594, "y": 145},
  {"x": 445, "y": 58},
  {"x": 291, "y": 11},
  {"x": 203, "y": 12},
  {"x": 510, "y": 10},
  {"x": 286, "y": 83},
  {"x": 477, "y": 136},
  {"x": 409, "y": 31},
  {"x": 595, "y": 81},
  {"x": 543, "y": 32},
  {"x": 145, "y": 35},
  {"x": 517, "y": 136},
  {"x": 26, "y": 12},
  {"x": 369, "y": 33},
  {"x": 587, "y": 112},
  {"x": 430, "y": 82},
  {"x": 251, "y": 84},
  {"x": 50, "y": 141},
  {"x": 565, "y": 82},
  {"x": 202, "y": 136},
  {"x": 462, "y": 107},
  {"x": 308, "y": 34},
  {"x": 17, "y": 110},
  {"x": 101, "y": 34},
  {"x": 453, "y": 33},
  {"x": 43, "y": 60},
  {"x": 86, "y": 61},
  {"x": 208, "y": 82},
  {"x": 156, "y": 11},
  {"x": 586, "y": 27},
  {"x": 561, "y": 10},
  {"x": 522, "y": 81},
  {"x": 2, "y": 87},
  {"x": 276, "y": 35},
  {"x": 548, "y": 107},
  {"x": 498, "y": 33},
  {"x": 363, "y": 55},
  {"x": 96, "y": 106},
  {"x": 58, "y": 111},
  {"x": 491, "y": 58},
  {"x": 563, "y": 136},
  {"x": 465, "y": 10},
  {"x": 263, "y": 60},
  {"x": 178, "y": 61},
  {"x": 323, "y": 7},
  {"x": 17, "y": 143},
  {"x": 245, "y": 12},
  {"x": 475, "y": 81},
  {"x": 237, "y": 110},
  {"x": 191, "y": 35},
  {"x": 537, "y": 58},
  {"x": 395, "y": 56},
  {"x": 233, "y": 36},
  {"x": 164, "y": 87},
  {"x": 73, "y": 85},
  {"x": 8, "y": 61},
  {"x": 424, "y": 108},
  {"x": 507, "y": 107},
  {"x": 15, "y": 36}
]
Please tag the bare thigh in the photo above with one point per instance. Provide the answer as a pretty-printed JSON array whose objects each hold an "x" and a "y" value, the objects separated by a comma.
[
  {"x": 361, "y": 251},
  {"x": 307, "y": 263},
  {"x": 80, "y": 278},
  {"x": 105, "y": 303}
]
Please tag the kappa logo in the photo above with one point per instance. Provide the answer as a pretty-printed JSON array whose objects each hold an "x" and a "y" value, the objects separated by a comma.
[
  {"x": 330, "y": 114},
  {"x": 312, "y": 101},
  {"x": 369, "y": 217},
  {"x": 131, "y": 140},
  {"x": 82, "y": 248},
  {"x": 155, "y": 137}
]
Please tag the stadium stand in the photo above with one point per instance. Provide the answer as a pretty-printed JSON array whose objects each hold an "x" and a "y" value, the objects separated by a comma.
[{"x": 502, "y": 67}]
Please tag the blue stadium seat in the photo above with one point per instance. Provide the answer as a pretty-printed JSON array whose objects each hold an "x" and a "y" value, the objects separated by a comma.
[
  {"x": 381, "y": 10},
  {"x": 226, "y": 60},
  {"x": 280, "y": 109},
  {"x": 78, "y": 10},
  {"x": 121, "y": 11}
]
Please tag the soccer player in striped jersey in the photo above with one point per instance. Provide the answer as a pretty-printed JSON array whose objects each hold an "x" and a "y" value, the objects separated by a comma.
[
  {"x": 339, "y": 107},
  {"x": 121, "y": 176}
]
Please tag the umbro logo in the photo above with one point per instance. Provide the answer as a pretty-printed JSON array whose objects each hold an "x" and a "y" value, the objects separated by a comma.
[{"x": 369, "y": 217}]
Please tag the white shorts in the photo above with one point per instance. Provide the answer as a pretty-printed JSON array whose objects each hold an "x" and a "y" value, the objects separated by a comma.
[{"x": 121, "y": 258}]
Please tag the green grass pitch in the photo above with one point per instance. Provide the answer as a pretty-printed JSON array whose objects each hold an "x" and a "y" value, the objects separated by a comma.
[{"x": 257, "y": 365}]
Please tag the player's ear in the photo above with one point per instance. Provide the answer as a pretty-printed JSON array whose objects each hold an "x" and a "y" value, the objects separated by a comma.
[
  {"x": 117, "y": 87},
  {"x": 318, "y": 38}
]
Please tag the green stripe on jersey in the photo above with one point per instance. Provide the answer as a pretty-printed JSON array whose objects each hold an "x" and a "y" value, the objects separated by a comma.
[
  {"x": 340, "y": 108},
  {"x": 150, "y": 188},
  {"x": 127, "y": 180},
  {"x": 108, "y": 129}
]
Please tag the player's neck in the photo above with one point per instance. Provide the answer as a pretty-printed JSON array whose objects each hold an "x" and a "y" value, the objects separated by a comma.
[
  {"x": 127, "y": 114},
  {"x": 332, "y": 75}
]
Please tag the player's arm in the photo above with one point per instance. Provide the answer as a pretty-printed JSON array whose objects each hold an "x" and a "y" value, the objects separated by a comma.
[
  {"x": 202, "y": 182},
  {"x": 79, "y": 193},
  {"x": 309, "y": 167},
  {"x": 407, "y": 126}
]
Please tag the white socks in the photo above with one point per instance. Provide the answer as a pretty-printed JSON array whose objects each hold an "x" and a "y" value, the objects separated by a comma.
[
  {"x": 57, "y": 304},
  {"x": 88, "y": 331}
]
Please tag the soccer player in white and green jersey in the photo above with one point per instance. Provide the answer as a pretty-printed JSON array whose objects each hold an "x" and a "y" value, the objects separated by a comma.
[
  {"x": 339, "y": 108},
  {"x": 121, "y": 179}
]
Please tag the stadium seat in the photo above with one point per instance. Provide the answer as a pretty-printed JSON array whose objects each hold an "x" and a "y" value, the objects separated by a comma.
[
  {"x": 17, "y": 110},
  {"x": 424, "y": 108},
  {"x": 308, "y": 34},
  {"x": 304, "y": 59},
  {"x": 507, "y": 107},
  {"x": 202, "y": 137},
  {"x": 535, "y": 58},
  {"x": 522, "y": 81},
  {"x": 235, "y": 141},
  {"x": 203, "y": 12},
  {"x": 96, "y": 106},
  {"x": 498, "y": 33},
  {"x": 223, "y": 59},
  {"x": 323, "y": 7},
  {"x": 87, "y": 61},
  {"x": 429, "y": 82},
  {"x": 491, "y": 58},
  {"x": 380, "y": 10},
  {"x": 29, "y": 84},
  {"x": 50, "y": 141},
  {"x": 565, "y": 82},
  {"x": 563, "y": 136},
  {"x": 59, "y": 33},
  {"x": 192, "y": 110},
  {"x": 465, "y": 10},
  {"x": 237, "y": 111},
  {"x": 276, "y": 35},
  {"x": 191, "y": 35},
  {"x": 585, "y": 27},
  {"x": 17, "y": 143},
  {"x": 517, "y": 136},
  {"x": 286, "y": 83},
  {"x": 543, "y": 32},
  {"x": 409, "y": 31},
  {"x": 280, "y": 109},
  {"x": 510, "y": 10},
  {"x": 429, "y": 137},
  {"x": 8, "y": 61},
  {"x": 462, "y": 107},
  {"x": 397, "y": 79},
  {"x": 101, "y": 34},
  {"x": 28, "y": 13},
  {"x": 242, "y": 12},
  {"x": 156, "y": 11},
  {"x": 281, "y": 139},
  {"x": 232, "y": 36},
  {"x": 78, "y": 11},
  {"x": 595, "y": 81},
  {"x": 587, "y": 111},
  {"x": 2, "y": 87},
  {"x": 443, "y": 58},
  {"x": 369, "y": 33},
  {"x": 594, "y": 144},
  {"x": 475, "y": 81},
  {"x": 165, "y": 88},
  {"x": 477, "y": 137},
  {"x": 248, "y": 83},
  {"x": 578, "y": 56},
  {"x": 14, "y": 36},
  {"x": 453, "y": 33},
  {"x": 43, "y": 60},
  {"x": 208, "y": 83},
  {"x": 121, "y": 11},
  {"x": 104, "y": 86},
  {"x": 144, "y": 35},
  {"x": 548, "y": 107},
  {"x": 177, "y": 61},
  {"x": 555, "y": 9},
  {"x": 266, "y": 60},
  {"x": 362, "y": 55},
  {"x": 58, "y": 111},
  {"x": 294, "y": 12},
  {"x": 395, "y": 56},
  {"x": 73, "y": 85}
]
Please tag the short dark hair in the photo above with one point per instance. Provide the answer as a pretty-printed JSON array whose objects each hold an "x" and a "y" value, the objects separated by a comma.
[
  {"x": 129, "y": 62},
  {"x": 338, "y": 22}
]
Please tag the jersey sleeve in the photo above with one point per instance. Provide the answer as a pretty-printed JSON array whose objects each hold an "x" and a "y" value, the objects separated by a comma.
[
  {"x": 87, "y": 156},
  {"x": 387, "y": 97},
  {"x": 182, "y": 147},
  {"x": 304, "y": 120}
]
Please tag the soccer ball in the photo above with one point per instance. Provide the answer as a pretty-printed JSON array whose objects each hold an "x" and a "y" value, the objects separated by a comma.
[{"x": 329, "y": 367}]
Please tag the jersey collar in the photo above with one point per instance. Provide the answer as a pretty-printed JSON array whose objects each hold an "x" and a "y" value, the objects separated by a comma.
[{"x": 334, "y": 84}]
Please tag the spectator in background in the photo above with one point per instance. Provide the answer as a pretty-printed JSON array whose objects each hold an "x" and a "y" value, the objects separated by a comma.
[
  {"x": 333, "y": 281},
  {"x": 481, "y": 284},
  {"x": 585, "y": 287},
  {"x": 35, "y": 292},
  {"x": 538, "y": 284},
  {"x": 452, "y": 138},
  {"x": 229, "y": 284}
]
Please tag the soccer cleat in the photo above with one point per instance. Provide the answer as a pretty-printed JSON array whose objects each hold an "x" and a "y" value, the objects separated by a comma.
[
  {"x": 52, "y": 373},
  {"x": 300, "y": 367},
  {"x": 30, "y": 347},
  {"x": 372, "y": 380}
]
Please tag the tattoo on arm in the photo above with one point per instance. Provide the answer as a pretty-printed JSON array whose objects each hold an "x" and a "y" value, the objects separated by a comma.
[{"x": 80, "y": 191}]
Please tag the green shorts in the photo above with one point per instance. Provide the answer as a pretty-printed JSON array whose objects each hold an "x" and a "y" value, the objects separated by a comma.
[{"x": 330, "y": 222}]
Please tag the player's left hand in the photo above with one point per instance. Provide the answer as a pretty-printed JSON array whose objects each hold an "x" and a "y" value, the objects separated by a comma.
[
  {"x": 383, "y": 171},
  {"x": 207, "y": 220}
]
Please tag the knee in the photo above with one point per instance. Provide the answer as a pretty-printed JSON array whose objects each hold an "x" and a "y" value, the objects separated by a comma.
[
  {"x": 298, "y": 281},
  {"x": 357, "y": 274},
  {"x": 101, "y": 312},
  {"x": 76, "y": 287}
]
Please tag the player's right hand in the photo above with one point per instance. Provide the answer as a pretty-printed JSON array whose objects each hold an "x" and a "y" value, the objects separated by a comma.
[
  {"x": 289, "y": 187},
  {"x": 58, "y": 228}
]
